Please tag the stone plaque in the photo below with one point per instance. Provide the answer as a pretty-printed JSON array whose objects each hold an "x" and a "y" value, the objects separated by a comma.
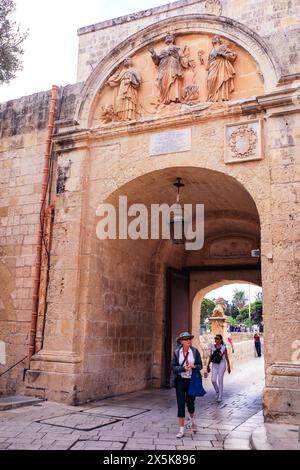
[
  {"x": 171, "y": 142},
  {"x": 243, "y": 141}
]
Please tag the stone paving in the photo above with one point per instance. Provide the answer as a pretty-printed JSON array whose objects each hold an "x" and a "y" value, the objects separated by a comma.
[{"x": 142, "y": 420}]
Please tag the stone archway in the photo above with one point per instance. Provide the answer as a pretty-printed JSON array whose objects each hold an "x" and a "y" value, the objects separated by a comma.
[
  {"x": 203, "y": 342},
  {"x": 253, "y": 278},
  {"x": 125, "y": 329},
  {"x": 105, "y": 316}
]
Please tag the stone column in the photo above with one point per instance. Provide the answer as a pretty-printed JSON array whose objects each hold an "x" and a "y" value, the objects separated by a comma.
[
  {"x": 280, "y": 272},
  {"x": 218, "y": 320},
  {"x": 56, "y": 369}
]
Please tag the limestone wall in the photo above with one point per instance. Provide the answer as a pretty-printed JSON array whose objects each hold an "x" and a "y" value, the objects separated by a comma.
[
  {"x": 272, "y": 20},
  {"x": 23, "y": 130},
  {"x": 243, "y": 351},
  {"x": 281, "y": 317},
  {"x": 106, "y": 325}
]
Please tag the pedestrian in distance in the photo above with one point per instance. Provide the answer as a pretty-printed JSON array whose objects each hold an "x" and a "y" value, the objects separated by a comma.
[
  {"x": 218, "y": 358},
  {"x": 257, "y": 343}
]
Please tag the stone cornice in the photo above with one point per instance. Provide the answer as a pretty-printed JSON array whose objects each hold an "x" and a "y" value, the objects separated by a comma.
[
  {"x": 288, "y": 369},
  {"x": 71, "y": 136},
  {"x": 284, "y": 98},
  {"x": 136, "y": 16}
]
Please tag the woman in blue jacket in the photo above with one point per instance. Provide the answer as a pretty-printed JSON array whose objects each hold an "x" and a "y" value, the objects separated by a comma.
[{"x": 185, "y": 359}]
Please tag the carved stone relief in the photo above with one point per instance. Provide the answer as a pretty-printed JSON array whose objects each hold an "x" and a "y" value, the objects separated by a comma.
[
  {"x": 213, "y": 7},
  {"x": 171, "y": 63},
  {"x": 220, "y": 70},
  {"x": 243, "y": 142},
  {"x": 127, "y": 81},
  {"x": 166, "y": 78}
]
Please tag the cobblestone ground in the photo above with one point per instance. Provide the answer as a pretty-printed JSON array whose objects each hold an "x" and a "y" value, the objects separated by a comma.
[{"x": 142, "y": 420}]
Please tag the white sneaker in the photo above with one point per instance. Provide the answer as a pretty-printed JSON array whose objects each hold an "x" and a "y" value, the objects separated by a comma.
[
  {"x": 180, "y": 434},
  {"x": 192, "y": 425},
  {"x": 219, "y": 399}
]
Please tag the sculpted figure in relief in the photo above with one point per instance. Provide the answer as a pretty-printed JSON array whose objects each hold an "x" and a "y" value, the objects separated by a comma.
[
  {"x": 129, "y": 81},
  {"x": 221, "y": 73},
  {"x": 171, "y": 63}
]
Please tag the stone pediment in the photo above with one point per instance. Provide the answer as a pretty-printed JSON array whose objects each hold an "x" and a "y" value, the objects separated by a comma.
[
  {"x": 177, "y": 74},
  {"x": 209, "y": 72}
]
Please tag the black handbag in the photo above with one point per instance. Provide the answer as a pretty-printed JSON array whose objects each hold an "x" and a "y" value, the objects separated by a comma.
[{"x": 216, "y": 356}]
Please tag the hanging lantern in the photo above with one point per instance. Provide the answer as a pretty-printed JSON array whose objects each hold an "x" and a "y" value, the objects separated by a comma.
[{"x": 177, "y": 220}]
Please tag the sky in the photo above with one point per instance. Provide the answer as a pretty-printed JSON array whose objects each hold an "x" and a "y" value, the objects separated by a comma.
[
  {"x": 227, "y": 291},
  {"x": 50, "y": 51}
]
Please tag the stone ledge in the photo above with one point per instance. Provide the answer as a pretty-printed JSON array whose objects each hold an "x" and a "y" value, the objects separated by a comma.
[
  {"x": 135, "y": 16},
  {"x": 271, "y": 436},
  {"x": 13, "y": 402},
  {"x": 240, "y": 437}
]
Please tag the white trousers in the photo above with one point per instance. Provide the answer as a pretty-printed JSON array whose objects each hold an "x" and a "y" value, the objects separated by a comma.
[{"x": 218, "y": 371}]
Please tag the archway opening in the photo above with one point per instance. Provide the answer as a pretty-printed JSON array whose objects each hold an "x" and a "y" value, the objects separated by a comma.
[{"x": 142, "y": 290}]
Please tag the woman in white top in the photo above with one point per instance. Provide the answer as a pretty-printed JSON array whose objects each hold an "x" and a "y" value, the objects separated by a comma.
[
  {"x": 218, "y": 358},
  {"x": 185, "y": 359}
]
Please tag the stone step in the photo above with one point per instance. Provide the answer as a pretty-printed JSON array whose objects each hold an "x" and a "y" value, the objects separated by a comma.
[
  {"x": 17, "y": 401},
  {"x": 273, "y": 436}
]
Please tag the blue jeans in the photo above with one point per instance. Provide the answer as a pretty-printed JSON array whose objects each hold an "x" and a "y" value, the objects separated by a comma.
[
  {"x": 258, "y": 348},
  {"x": 182, "y": 386}
]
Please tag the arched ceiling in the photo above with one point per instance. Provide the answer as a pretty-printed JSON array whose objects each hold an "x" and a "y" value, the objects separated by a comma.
[{"x": 228, "y": 207}]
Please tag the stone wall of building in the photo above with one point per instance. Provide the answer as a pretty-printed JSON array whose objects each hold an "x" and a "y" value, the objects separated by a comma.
[
  {"x": 274, "y": 21},
  {"x": 23, "y": 132},
  {"x": 283, "y": 296},
  {"x": 23, "y": 125},
  {"x": 105, "y": 317}
]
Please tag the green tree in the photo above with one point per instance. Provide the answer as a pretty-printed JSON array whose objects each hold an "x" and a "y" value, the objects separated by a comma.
[
  {"x": 234, "y": 311},
  {"x": 207, "y": 307},
  {"x": 255, "y": 313},
  {"x": 11, "y": 40},
  {"x": 239, "y": 298},
  {"x": 232, "y": 321},
  {"x": 248, "y": 322}
]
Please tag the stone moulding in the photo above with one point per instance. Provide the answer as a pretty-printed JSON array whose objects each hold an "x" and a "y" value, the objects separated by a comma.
[
  {"x": 225, "y": 27},
  {"x": 280, "y": 369},
  {"x": 72, "y": 136},
  {"x": 61, "y": 357}
]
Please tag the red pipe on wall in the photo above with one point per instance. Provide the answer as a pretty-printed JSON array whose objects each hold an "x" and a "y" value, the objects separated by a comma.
[{"x": 35, "y": 297}]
